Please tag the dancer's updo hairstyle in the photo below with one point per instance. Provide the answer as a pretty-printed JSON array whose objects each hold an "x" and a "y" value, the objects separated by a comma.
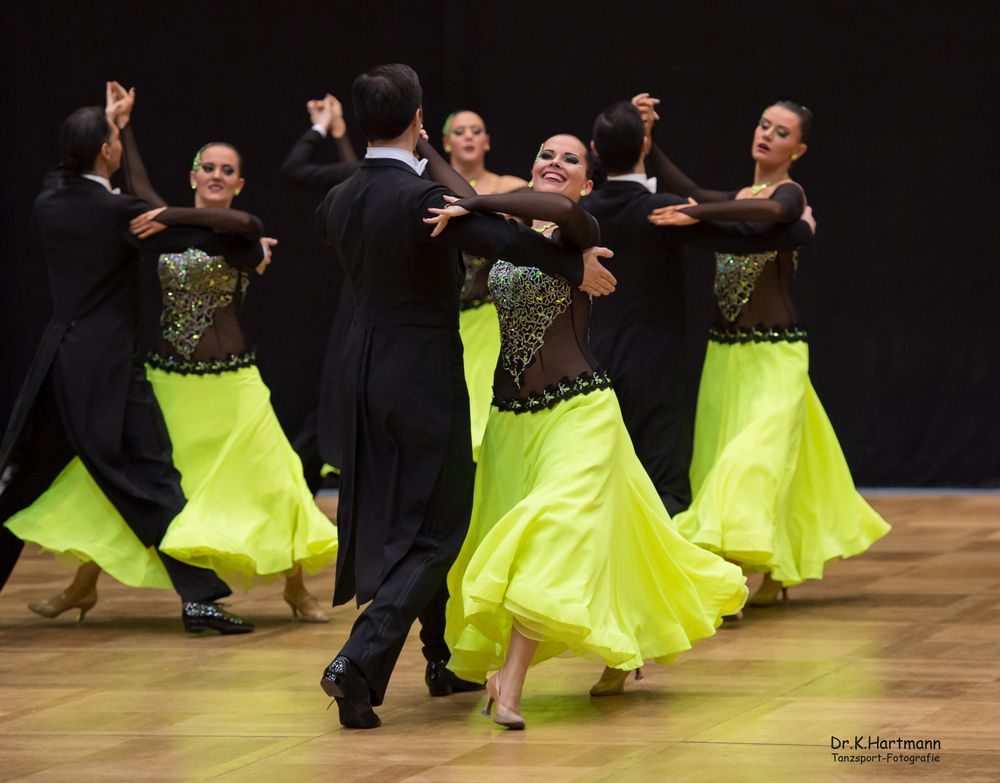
[
  {"x": 196, "y": 162},
  {"x": 805, "y": 117}
]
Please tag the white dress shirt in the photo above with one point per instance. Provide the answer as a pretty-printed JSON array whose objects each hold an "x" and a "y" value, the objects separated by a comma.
[
  {"x": 395, "y": 153},
  {"x": 647, "y": 182},
  {"x": 103, "y": 181}
]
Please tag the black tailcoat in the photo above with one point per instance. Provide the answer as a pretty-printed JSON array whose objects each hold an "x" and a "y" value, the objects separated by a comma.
[
  {"x": 407, "y": 443},
  {"x": 637, "y": 334},
  {"x": 87, "y": 377}
]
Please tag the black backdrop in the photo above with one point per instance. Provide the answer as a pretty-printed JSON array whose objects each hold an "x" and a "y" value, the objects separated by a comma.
[{"x": 898, "y": 292}]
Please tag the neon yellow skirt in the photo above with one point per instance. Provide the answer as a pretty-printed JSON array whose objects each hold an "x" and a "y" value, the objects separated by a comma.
[
  {"x": 772, "y": 489},
  {"x": 480, "y": 331},
  {"x": 249, "y": 516},
  {"x": 570, "y": 543},
  {"x": 75, "y": 521}
]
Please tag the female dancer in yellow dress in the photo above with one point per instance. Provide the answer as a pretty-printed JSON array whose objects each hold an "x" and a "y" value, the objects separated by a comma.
[
  {"x": 570, "y": 547},
  {"x": 466, "y": 142},
  {"x": 771, "y": 487},
  {"x": 249, "y": 514}
]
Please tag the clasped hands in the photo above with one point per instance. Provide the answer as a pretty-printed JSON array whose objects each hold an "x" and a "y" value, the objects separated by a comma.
[
  {"x": 118, "y": 103},
  {"x": 672, "y": 216},
  {"x": 328, "y": 113},
  {"x": 597, "y": 280}
]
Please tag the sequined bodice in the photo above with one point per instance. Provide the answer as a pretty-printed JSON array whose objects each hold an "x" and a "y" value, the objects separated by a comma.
[
  {"x": 735, "y": 278},
  {"x": 195, "y": 285},
  {"x": 527, "y": 302}
]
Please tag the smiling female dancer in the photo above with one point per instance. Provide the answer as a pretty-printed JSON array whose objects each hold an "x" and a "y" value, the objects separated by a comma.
[
  {"x": 249, "y": 513},
  {"x": 570, "y": 547}
]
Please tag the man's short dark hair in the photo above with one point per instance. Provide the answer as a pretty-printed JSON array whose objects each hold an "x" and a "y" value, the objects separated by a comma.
[
  {"x": 617, "y": 135},
  {"x": 385, "y": 100},
  {"x": 80, "y": 138}
]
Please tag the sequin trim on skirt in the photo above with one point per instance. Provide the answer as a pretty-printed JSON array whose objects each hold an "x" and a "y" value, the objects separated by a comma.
[
  {"x": 758, "y": 334},
  {"x": 555, "y": 393},
  {"x": 231, "y": 363}
]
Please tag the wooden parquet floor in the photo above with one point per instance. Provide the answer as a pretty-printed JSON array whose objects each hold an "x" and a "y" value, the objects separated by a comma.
[{"x": 903, "y": 641}]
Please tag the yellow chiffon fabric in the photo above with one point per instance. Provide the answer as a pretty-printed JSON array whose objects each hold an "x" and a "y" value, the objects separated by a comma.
[
  {"x": 570, "y": 543},
  {"x": 75, "y": 521},
  {"x": 249, "y": 516},
  {"x": 771, "y": 487},
  {"x": 480, "y": 331}
]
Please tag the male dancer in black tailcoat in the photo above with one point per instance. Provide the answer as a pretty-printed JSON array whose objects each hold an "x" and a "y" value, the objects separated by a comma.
[
  {"x": 406, "y": 485},
  {"x": 638, "y": 334},
  {"x": 86, "y": 393}
]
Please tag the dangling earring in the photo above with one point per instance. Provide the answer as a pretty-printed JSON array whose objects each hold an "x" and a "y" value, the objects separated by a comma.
[
  {"x": 583, "y": 191},
  {"x": 194, "y": 186},
  {"x": 531, "y": 183},
  {"x": 447, "y": 150}
]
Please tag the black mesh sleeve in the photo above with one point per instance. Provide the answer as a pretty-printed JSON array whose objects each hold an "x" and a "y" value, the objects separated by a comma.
[
  {"x": 784, "y": 206},
  {"x": 577, "y": 226},
  {"x": 493, "y": 236},
  {"x": 230, "y": 221},
  {"x": 242, "y": 253},
  {"x": 671, "y": 179},
  {"x": 442, "y": 172},
  {"x": 136, "y": 178},
  {"x": 344, "y": 149}
]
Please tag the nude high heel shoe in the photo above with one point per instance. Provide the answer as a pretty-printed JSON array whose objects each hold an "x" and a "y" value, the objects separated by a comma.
[
  {"x": 54, "y": 607},
  {"x": 503, "y": 715},
  {"x": 612, "y": 682},
  {"x": 769, "y": 593},
  {"x": 306, "y": 608}
]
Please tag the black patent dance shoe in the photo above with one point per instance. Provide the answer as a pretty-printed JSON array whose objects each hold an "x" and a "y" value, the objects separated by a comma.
[
  {"x": 199, "y": 617},
  {"x": 344, "y": 682},
  {"x": 441, "y": 681}
]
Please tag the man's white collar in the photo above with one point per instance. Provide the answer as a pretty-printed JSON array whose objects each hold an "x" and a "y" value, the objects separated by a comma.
[
  {"x": 647, "y": 182},
  {"x": 395, "y": 153},
  {"x": 103, "y": 181}
]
